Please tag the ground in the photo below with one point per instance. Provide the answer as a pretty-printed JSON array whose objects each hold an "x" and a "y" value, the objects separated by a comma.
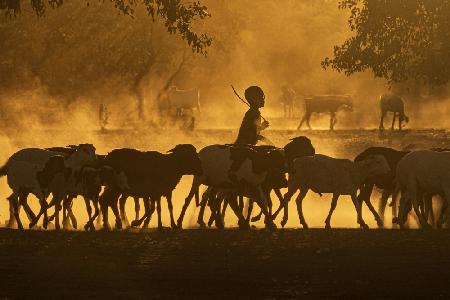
[{"x": 296, "y": 263}]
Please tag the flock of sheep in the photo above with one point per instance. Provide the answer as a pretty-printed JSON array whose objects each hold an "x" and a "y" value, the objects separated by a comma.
[{"x": 230, "y": 173}]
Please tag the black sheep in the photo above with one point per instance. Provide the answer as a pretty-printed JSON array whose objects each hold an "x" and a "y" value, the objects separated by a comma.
[{"x": 151, "y": 175}]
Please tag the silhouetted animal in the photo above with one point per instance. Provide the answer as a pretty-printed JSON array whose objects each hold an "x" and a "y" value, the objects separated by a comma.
[
  {"x": 419, "y": 172},
  {"x": 238, "y": 170},
  {"x": 151, "y": 175},
  {"x": 183, "y": 100},
  {"x": 386, "y": 182},
  {"x": 275, "y": 180},
  {"x": 22, "y": 167},
  {"x": 392, "y": 103},
  {"x": 325, "y": 104},
  {"x": 324, "y": 174},
  {"x": 288, "y": 98}
]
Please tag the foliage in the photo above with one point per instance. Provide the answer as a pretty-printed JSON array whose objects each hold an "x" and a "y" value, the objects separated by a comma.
[
  {"x": 177, "y": 15},
  {"x": 397, "y": 40}
]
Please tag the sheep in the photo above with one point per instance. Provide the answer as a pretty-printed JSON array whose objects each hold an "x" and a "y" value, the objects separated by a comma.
[
  {"x": 237, "y": 170},
  {"x": 324, "y": 174},
  {"x": 150, "y": 175},
  {"x": 22, "y": 167},
  {"x": 423, "y": 171},
  {"x": 385, "y": 182},
  {"x": 275, "y": 178}
]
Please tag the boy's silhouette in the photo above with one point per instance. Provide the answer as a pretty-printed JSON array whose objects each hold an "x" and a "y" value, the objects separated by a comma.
[{"x": 249, "y": 132}]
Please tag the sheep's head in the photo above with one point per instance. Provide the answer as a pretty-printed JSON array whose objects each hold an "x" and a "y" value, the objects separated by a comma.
[
  {"x": 376, "y": 165},
  {"x": 84, "y": 154},
  {"x": 187, "y": 156},
  {"x": 298, "y": 147}
]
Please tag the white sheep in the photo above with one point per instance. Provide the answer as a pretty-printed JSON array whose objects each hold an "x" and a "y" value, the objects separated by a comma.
[
  {"x": 423, "y": 172},
  {"x": 323, "y": 174}
]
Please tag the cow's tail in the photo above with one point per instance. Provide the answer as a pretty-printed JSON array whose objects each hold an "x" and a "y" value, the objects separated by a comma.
[
  {"x": 4, "y": 170},
  {"x": 198, "y": 101}
]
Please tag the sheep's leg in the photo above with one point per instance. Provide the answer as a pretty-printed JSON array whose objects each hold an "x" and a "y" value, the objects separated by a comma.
[
  {"x": 203, "y": 203},
  {"x": 400, "y": 122},
  {"x": 216, "y": 216},
  {"x": 232, "y": 200},
  {"x": 383, "y": 203},
  {"x": 332, "y": 208},
  {"x": 57, "y": 209},
  {"x": 72, "y": 217},
  {"x": 87, "y": 202},
  {"x": 287, "y": 197},
  {"x": 393, "y": 120},
  {"x": 444, "y": 208},
  {"x": 299, "y": 202},
  {"x": 280, "y": 197},
  {"x": 158, "y": 209},
  {"x": 12, "y": 219},
  {"x": 15, "y": 203},
  {"x": 123, "y": 213},
  {"x": 428, "y": 208},
  {"x": 364, "y": 196},
  {"x": 104, "y": 205},
  {"x": 263, "y": 204},
  {"x": 249, "y": 211},
  {"x": 412, "y": 193},
  {"x": 90, "y": 223},
  {"x": 29, "y": 212},
  {"x": 152, "y": 210},
  {"x": 66, "y": 202},
  {"x": 187, "y": 201},
  {"x": 241, "y": 202},
  {"x": 169, "y": 204},
  {"x": 358, "y": 207},
  {"x": 115, "y": 209},
  {"x": 137, "y": 207}
]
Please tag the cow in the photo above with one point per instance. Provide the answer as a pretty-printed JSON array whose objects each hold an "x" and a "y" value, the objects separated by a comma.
[
  {"x": 288, "y": 98},
  {"x": 182, "y": 100},
  {"x": 326, "y": 104},
  {"x": 392, "y": 103}
]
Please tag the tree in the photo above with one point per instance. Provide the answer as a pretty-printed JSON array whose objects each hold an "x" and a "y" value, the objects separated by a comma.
[
  {"x": 398, "y": 40},
  {"x": 177, "y": 15}
]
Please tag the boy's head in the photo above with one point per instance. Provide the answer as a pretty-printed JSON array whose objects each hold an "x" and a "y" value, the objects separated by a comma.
[{"x": 255, "y": 96}]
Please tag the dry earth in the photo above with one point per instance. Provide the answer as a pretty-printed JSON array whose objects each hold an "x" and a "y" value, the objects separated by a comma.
[{"x": 339, "y": 263}]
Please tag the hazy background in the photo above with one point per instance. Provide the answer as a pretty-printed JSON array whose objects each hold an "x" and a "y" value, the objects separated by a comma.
[{"x": 56, "y": 70}]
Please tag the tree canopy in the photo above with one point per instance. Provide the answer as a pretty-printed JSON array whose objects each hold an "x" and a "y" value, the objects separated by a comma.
[
  {"x": 177, "y": 15},
  {"x": 397, "y": 40}
]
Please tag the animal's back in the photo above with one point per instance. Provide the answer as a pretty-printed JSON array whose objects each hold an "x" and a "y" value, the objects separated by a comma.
[
  {"x": 323, "y": 174},
  {"x": 391, "y": 102},
  {"x": 428, "y": 168},
  {"x": 325, "y": 103}
]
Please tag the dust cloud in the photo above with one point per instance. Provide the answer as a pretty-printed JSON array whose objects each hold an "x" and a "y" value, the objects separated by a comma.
[{"x": 58, "y": 69}]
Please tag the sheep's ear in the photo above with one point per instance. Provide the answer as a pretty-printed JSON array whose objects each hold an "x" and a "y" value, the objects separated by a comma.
[{"x": 171, "y": 150}]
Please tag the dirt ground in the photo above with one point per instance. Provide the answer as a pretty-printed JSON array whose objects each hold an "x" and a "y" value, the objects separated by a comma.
[{"x": 210, "y": 264}]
